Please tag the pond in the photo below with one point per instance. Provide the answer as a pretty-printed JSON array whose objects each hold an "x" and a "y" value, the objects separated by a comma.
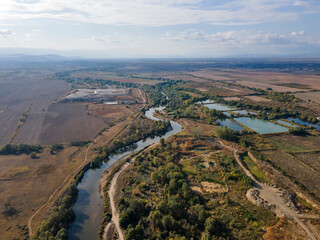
[
  {"x": 230, "y": 124},
  {"x": 220, "y": 107},
  {"x": 244, "y": 112},
  {"x": 260, "y": 126},
  {"x": 299, "y": 121},
  {"x": 289, "y": 124},
  {"x": 89, "y": 205}
]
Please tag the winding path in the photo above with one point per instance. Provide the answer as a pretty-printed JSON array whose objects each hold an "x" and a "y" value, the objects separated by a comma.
[
  {"x": 271, "y": 195},
  {"x": 113, "y": 203}
]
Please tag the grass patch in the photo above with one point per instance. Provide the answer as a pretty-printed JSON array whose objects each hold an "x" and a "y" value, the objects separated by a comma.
[
  {"x": 255, "y": 170},
  {"x": 285, "y": 146}
]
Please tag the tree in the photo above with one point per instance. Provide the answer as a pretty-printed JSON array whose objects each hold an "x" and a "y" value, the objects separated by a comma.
[{"x": 196, "y": 132}]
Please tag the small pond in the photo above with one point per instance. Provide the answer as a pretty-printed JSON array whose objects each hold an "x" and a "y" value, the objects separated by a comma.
[
  {"x": 230, "y": 124},
  {"x": 244, "y": 112},
  {"x": 220, "y": 107},
  {"x": 260, "y": 126},
  {"x": 289, "y": 124},
  {"x": 299, "y": 121}
]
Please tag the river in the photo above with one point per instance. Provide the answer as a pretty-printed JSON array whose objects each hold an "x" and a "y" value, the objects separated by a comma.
[{"x": 89, "y": 205}]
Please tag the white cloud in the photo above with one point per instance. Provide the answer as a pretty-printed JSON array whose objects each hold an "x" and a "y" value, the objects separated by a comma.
[
  {"x": 301, "y": 33},
  {"x": 235, "y": 38},
  {"x": 157, "y": 12},
  {"x": 6, "y": 32}
]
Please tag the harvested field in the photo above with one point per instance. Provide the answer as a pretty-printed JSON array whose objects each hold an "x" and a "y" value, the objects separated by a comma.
[
  {"x": 18, "y": 91},
  {"x": 232, "y": 99},
  {"x": 295, "y": 80},
  {"x": 313, "y": 96},
  {"x": 265, "y": 86},
  {"x": 297, "y": 169},
  {"x": 306, "y": 143},
  {"x": 69, "y": 122},
  {"x": 109, "y": 113},
  {"x": 258, "y": 99}
]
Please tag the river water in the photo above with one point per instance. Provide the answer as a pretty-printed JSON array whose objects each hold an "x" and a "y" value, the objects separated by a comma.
[{"x": 89, "y": 205}]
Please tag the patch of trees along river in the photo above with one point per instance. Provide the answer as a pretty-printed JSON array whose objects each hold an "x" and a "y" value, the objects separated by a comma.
[{"x": 89, "y": 205}]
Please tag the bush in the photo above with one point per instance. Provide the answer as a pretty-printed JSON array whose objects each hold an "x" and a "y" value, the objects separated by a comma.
[
  {"x": 297, "y": 131},
  {"x": 226, "y": 134}
]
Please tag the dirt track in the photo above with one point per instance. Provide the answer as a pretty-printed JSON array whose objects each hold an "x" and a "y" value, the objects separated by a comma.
[
  {"x": 271, "y": 196},
  {"x": 112, "y": 195}
]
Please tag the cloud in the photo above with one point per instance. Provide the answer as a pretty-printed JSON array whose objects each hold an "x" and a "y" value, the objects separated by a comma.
[
  {"x": 301, "y": 33},
  {"x": 159, "y": 12},
  {"x": 103, "y": 39},
  {"x": 236, "y": 38},
  {"x": 6, "y": 32}
]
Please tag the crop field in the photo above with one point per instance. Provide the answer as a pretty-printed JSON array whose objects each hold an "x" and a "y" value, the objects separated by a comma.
[
  {"x": 279, "y": 81},
  {"x": 258, "y": 99},
  {"x": 109, "y": 113},
  {"x": 68, "y": 122},
  {"x": 313, "y": 96},
  {"x": 298, "y": 157},
  {"x": 18, "y": 90},
  {"x": 296, "y": 168}
]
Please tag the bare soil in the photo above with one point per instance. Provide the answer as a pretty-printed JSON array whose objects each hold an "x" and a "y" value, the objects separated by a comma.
[{"x": 69, "y": 122}]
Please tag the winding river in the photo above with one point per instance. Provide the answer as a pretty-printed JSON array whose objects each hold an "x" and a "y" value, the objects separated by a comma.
[{"x": 89, "y": 205}]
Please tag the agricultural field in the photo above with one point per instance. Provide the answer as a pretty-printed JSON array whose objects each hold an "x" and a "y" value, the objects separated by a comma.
[
  {"x": 278, "y": 81},
  {"x": 68, "y": 122},
  {"x": 297, "y": 156},
  {"x": 309, "y": 96},
  {"x": 19, "y": 90}
]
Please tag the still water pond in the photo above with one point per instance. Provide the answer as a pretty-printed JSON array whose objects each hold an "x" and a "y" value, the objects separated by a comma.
[
  {"x": 220, "y": 107},
  {"x": 299, "y": 121},
  {"x": 260, "y": 126},
  {"x": 230, "y": 124}
]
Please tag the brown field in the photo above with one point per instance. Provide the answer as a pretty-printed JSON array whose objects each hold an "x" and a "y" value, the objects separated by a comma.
[
  {"x": 280, "y": 81},
  {"x": 26, "y": 183},
  {"x": 298, "y": 157},
  {"x": 110, "y": 113},
  {"x": 313, "y": 96},
  {"x": 232, "y": 99},
  {"x": 258, "y": 99},
  {"x": 68, "y": 122},
  {"x": 18, "y": 91},
  {"x": 264, "y": 86}
]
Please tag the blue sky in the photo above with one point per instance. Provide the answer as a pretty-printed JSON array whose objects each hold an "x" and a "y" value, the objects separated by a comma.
[{"x": 162, "y": 28}]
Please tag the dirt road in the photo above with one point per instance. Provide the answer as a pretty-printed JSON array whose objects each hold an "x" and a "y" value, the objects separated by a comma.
[
  {"x": 271, "y": 196},
  {"x": 112, "y": 195}
]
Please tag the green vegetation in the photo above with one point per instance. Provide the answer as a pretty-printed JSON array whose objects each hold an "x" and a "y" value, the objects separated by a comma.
[
  {"x": 255, "y": 170},
  {"x": 57, "y": 222},
  {"x": 297, "y": 131},
  {"x": 158, "y": 203},
  {"x": 226, "y": 134},
  {"x": 54, "y": 148},
  {"x": 10, "y": 149},
  {"x": 79, "y": 143}
]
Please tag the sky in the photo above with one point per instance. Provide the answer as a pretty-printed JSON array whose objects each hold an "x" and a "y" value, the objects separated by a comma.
[{"x": 161, "y": 28}]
